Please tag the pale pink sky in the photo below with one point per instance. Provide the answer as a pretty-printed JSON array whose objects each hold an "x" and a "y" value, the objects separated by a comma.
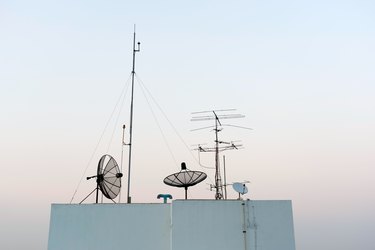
[{"x": 301, "y": 72}]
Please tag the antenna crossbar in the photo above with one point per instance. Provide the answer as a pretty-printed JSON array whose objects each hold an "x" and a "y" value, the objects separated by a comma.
[
  {"x": 205, "y": 118},
  {"x": 210, "y": 111}
]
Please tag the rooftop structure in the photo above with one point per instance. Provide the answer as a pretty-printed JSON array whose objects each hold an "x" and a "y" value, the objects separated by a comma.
[{"x": 180, "y": 225}]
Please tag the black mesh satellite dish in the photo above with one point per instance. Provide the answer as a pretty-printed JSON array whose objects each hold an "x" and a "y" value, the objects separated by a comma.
[
  {"x": 108, "y": 178},
  {"x": 185, "y": 178}
]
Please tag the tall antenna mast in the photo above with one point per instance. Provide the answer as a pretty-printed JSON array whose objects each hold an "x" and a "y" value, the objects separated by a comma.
[
  {"x": 131, "y": 115},
  {"x": 217, "y": 149}
]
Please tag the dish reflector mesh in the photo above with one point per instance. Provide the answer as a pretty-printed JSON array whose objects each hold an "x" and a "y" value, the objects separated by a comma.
[
  {"x": 110, "y": 181},
  {"x": 185, "y": 178}
]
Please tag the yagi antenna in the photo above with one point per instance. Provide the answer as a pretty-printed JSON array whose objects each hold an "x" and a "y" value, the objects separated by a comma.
[{"x": 217, "y": 116}]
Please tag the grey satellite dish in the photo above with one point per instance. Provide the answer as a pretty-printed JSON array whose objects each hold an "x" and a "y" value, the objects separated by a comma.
[
  {"x": 185, "y": 178},
  {"x": 108, "y": 178},
  {"x": 240, "y": 188}
]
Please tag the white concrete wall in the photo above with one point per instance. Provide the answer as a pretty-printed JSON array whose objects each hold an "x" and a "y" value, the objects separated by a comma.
[
  {"x": 109, "y": 226},
  {"x": 270, "y": 225},
  {"x": 203, "y": 225},
  {"x": 232, "y": 224},
  {"x": 182, "y": 225}
]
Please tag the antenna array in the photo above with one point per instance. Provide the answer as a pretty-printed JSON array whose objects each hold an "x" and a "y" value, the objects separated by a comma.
[{"x": 217, "y": 116}]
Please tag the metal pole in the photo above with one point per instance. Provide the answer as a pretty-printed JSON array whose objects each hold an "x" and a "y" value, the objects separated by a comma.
[
  {"x": 244, "y": 225},
  {"x": 225, "y": 179},
  {"x": 97, "y": 192},
  {"x": 122, "y": 155},
  {"x": 219, "y": 192},
  {"x": 131, "y": 117}
]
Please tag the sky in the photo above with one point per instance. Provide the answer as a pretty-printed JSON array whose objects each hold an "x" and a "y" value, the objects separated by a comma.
[{"x": 300, "y": 71}]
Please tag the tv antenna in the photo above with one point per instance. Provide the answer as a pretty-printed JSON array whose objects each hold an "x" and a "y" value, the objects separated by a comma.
[
  {"x": 185, "y": 178},
  {"x": 108, "y": 179},
  {"x": 217, "y": 115}
]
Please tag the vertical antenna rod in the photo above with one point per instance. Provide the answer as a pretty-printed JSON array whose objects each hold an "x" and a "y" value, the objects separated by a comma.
[
  {"x": 131, "y": 115},
  {"x": 218, "y": 184},
  {"x": 122, "y": 156},
  {"x": 225, "y": 179}
]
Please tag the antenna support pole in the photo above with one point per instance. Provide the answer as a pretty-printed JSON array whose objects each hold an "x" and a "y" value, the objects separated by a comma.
[
  {"x": 218, "y": 184},
  {"x": 97, "y": 193},
  {"x": 225, "y": 179},
  {"x": 131, "y": 115},
  {"x": 122, "y": 155}
]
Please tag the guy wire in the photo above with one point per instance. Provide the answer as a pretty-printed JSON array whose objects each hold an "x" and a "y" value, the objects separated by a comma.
[{"x": 126, "y": 86}]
